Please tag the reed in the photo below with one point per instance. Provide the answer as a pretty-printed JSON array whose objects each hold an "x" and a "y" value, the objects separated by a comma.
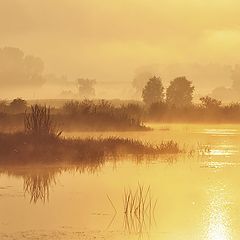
[
  {"x": 39, "y": 122},
  {"x": 139, "y": 202},
  {"x": 101, "y": 115},
  {"x": 139, "y": 209}
]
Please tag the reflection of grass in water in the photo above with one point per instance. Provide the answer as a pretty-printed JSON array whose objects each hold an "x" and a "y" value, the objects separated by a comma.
[
  {"x": 38, "y": 180},
  {"x": 38, "y": 185}
]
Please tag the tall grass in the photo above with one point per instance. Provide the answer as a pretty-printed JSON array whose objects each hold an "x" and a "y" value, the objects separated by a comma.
[
  {"x": 102, "y": 115},
  {"x": 138, "y": 202},
  {"x": 39, "y": 122}
]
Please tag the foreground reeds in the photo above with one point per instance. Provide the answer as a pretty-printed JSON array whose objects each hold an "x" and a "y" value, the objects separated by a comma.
[
  {"x": 139, "y": 202},
  {"x": 139, "y": 209}
]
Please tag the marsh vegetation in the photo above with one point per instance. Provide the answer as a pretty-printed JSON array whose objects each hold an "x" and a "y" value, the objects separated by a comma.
[
  {"x": 41, "y": 141},
  {"x": 83, "y": 115}
]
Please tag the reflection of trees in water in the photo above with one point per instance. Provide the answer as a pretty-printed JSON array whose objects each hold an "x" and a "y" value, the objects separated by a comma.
[{"x": 37, "y": 180}]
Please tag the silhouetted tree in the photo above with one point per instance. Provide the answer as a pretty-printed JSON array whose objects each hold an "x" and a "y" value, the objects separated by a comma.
[
  {"x": 180, "y": 92},
  {"x": 18, "y": 105},
  {"x": 86, "y": 87},
  {"x": 210, "y": 103},
  {"x": 153, "y": 91}
]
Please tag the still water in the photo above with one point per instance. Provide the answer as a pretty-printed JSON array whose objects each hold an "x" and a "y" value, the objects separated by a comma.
[{"x": 198, "y": 193}]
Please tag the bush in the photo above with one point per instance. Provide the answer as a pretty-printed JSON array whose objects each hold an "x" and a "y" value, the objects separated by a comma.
[
  {"x": 18, "y": 105},
  {"x": 39, "y": 122}
]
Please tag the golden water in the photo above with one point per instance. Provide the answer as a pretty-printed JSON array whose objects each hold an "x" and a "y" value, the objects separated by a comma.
[{"x": 198, "y": 193}]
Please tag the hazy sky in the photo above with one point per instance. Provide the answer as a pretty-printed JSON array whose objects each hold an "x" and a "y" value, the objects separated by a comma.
[{"x": 109, "y": 39}]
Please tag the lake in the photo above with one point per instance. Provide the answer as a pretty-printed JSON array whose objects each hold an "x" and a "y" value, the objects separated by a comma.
[{"x": 197, "y": 194}]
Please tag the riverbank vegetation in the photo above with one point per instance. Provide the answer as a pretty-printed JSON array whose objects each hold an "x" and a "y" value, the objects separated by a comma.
[
  {"x": 104, "y": 116},
  {"x": 22, "y": 148},
  {"x": 41, "y": 141},
  {"x": 83, "y": 115}
]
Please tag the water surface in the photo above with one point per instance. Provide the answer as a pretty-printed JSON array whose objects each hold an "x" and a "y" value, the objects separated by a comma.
[{"x": 198, "y": 192}]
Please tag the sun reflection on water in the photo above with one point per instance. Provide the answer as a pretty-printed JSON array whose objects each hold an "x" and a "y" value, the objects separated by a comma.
[
  {"x": 219, "y": 221},
  {"x": 220, "y": 152},
  {"x": 221, "y": 132},
  {"x": 217, "y": 228}
]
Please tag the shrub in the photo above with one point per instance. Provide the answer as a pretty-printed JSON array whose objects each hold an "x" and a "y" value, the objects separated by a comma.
[{"x": 18, "y": 105}]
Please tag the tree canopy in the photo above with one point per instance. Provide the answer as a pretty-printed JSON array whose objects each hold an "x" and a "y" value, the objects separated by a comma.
[
  {"x": 180, "y": 92},
  {"x": 153, "y": 91},
  {"x": 210, "y": 103}
]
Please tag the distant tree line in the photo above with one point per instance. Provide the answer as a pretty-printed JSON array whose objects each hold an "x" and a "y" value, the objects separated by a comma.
[
  {"x": 175, "y": 104},
  {"x": 171, "y": 104},
  {"x": 179, "y": 93}
]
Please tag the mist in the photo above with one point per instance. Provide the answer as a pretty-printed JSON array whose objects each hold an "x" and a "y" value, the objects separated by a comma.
[{"x": 108, "y": 41}]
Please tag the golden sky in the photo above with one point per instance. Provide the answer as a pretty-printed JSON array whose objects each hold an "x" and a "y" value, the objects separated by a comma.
[{"x": 109, "y": 39}]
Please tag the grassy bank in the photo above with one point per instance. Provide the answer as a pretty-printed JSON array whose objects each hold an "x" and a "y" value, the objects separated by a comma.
[{"x": 25, "y": 148}]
